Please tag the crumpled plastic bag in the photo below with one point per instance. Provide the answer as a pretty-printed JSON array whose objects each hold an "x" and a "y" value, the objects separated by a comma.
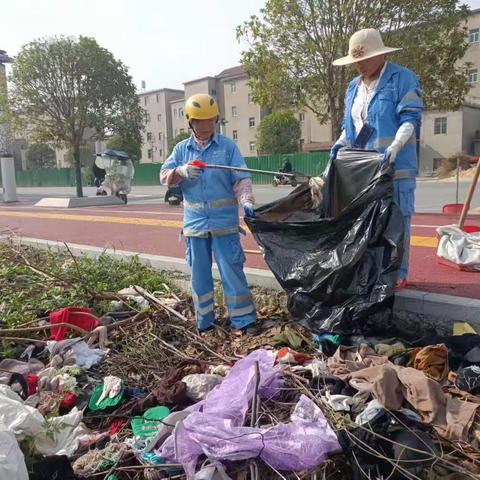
[
  {"x": 215, "y": 426},
  {"x": 12, "y": 461},
  {"x": 75, "y": 350},
  {"x": 213, "y": 471},
  {"x": 199, "y": 385},
  {"x": 55, "y": 436},
  {"x": 132, "y": 293},
  {"x": 459, "y": 247}
]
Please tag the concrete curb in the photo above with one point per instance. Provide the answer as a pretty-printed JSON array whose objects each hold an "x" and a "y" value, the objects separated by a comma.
[{"x": 419, "y": 303}]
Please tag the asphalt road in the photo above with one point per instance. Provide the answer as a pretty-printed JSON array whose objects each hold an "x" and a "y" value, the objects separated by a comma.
[{"x": 431, "y": 195}]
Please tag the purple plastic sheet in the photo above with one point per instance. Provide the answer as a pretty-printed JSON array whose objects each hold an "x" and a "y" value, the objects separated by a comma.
[{"x": 218, "y": 432}]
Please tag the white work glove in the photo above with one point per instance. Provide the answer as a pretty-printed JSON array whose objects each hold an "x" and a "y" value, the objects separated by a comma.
[
  {"x": 392, "y": 151},
  {"x": 189, "y": 171},
  {"x": 316, "y": 184}
]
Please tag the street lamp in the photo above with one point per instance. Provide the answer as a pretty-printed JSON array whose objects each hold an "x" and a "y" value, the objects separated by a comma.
[
  {"x": 7, "y": 164},
  {"x": 4, "y": 143}
]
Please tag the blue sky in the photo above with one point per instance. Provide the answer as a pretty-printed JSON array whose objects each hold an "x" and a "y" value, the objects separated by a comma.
[{"x": 164, "y": 42}]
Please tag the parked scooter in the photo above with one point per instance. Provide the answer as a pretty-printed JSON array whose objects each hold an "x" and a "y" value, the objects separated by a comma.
[
  {"x": 119, "y": 173},
  {"x": 174, "y": 196}
]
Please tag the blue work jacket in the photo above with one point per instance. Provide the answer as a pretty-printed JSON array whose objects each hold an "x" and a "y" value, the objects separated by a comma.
[
  {"x": 397, "y": 100},
  {"x": 210, "y": 205}
]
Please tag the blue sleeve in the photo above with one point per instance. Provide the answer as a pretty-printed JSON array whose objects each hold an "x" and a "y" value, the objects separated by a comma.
[
  {"x": 236, "y": 160},
  {"x": 174, "y": 160},
  {"x": 410, "y": 104}
]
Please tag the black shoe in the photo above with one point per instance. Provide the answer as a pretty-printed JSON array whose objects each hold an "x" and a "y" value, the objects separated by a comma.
[
  {"x": 208, "y": 329},
  {"x": 251, "y": 330}
]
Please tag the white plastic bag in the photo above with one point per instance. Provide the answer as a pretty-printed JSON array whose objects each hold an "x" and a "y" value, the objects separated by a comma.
[
  {"x": 459, "y": 247},
  {"x": 199, "y": 385},
  {"x": 12, "y": 462}
]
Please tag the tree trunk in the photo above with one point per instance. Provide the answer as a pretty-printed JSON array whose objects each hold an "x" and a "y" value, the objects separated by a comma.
[{"x": 78, "y": 170}]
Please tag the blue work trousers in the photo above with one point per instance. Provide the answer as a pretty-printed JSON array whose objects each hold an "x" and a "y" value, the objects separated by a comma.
[
  {"x": 230, "y": 258},
  {"x": 404, "y": 196}
]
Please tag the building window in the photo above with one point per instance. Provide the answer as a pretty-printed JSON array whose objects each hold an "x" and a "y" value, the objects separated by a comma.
[
  {"x": 251, "y": 147},
  {"x": 175, "y": 112},
  {"x": 145, "y": 99},
  {"x": 149, "y": 136},
  {"x": 159, "y": 117},
  {"x": 473, "y": 76},
  {"x": 160, "y": 152},
  {"x": 473, "y": 35},
  {"x": 150, "y": 153},
  {"x": 233, "y": 87},
  {"x": 251, "y": 122},
  {"x": 147, "y": 117},
  {"x": 182, "y": 130},
  {"x": 440, "y": 126},
  {"x": 234, "y": 112},
  {"x": 180, "y": 112},
  {"x": 301, "y": 117},
  {"x": 158, "y": 97},
  {"x": 250, "y": 98},
  {"x": 213, "y": 91},
  {"x": 235, "y": 135},
  {"x": 160, "y": 136}
]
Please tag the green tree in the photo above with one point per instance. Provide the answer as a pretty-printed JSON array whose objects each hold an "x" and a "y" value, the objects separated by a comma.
[
  {"x": 65, "y": 87},
  {"x": 41, "y": 155},
  {"x": 129, "y": 145},
  {"x": 293, "y": 43},
  {"x": 177, "y": 139},
  {"x": 278, "y": 132}
]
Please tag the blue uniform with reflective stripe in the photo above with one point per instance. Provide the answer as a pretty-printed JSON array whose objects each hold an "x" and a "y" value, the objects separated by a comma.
[
  {"x": 210, "y": 205},
  {"x": 397, "y": 100},
  {"x": 211, "y": 225}
]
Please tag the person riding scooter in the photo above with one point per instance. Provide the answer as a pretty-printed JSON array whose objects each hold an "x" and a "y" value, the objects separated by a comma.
[{"x": 284, "y": 179}]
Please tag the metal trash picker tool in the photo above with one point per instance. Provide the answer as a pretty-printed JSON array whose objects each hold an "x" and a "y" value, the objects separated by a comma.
[{"x": 198, "y": 163}]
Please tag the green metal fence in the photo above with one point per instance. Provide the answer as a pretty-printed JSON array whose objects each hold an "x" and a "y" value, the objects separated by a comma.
[{"x": 148, "y": 173}]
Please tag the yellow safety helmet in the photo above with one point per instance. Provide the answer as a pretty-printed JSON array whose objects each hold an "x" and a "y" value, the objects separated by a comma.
[{"x": 201, "y": 106}]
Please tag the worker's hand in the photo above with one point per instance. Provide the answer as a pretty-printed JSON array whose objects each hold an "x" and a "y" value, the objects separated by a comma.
[
  {"x": 334, "y": 150},
  {"x": 392, "y": 151},
  {"x": 189, "y": 171},
  {"x": 248, "y": 209}
]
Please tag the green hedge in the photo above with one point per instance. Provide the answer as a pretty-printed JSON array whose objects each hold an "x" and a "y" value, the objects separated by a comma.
[{"x": 148, "y": 173}]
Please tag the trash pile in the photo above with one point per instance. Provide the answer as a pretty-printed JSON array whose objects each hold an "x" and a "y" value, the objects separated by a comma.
[{"x": 143, "y": 395}]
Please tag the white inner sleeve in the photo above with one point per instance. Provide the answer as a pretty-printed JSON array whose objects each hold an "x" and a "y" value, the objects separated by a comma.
[{"x": 404, "y": 133}]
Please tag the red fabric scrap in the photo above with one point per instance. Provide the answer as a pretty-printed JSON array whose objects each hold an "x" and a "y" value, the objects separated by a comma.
[
  {"x": 32, "y": 382},
  {"x": 69, "y": 401},
  {"x": 78, "y": 316}
]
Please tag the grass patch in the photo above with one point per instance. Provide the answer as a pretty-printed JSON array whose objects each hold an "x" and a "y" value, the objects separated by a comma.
[{"x": 35, "y": 282}]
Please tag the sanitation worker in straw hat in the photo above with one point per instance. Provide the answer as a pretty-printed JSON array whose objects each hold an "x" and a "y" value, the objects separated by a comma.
[
  {"x": 210, "y": 222},
  {"x": 383, "y": 110}
]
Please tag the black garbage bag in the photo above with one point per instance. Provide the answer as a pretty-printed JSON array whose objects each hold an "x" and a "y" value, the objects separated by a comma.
[{"x": 338, "y": 263}]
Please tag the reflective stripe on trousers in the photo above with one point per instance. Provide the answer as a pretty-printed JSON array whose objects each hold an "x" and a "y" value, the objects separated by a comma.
[{"x": 229, "y": 258}]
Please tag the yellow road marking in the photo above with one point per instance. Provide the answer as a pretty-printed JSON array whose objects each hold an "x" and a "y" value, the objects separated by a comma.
[
  {"x": 95, "y": 218},
  {"x": 415, "y": 241}
]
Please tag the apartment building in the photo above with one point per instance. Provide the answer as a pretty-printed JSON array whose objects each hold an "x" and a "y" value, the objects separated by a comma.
[
  {"x": 158, "y": 132},
  {"x": 241, "y": 116},
  {"x": 445, "y": 134}
]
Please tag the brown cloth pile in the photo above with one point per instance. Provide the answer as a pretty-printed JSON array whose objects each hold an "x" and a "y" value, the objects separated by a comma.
[
  {"x": 171, "y": 391},
  {"x": 392, "y": 385},
  {"x": 351, "y": 359},
  {"x": 432, "y": 361}
]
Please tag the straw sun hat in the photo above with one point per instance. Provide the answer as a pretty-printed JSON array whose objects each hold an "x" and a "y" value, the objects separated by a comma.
[{"x": 364, "y": 44}]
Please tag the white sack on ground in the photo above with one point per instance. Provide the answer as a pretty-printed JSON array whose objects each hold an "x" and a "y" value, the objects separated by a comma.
[{"x": 459, "y": 247}]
